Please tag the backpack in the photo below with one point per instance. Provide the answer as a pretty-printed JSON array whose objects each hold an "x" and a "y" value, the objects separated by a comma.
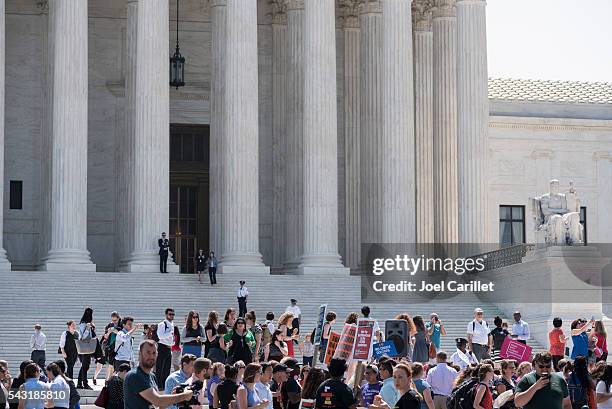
[
  {"x": 577, "y": 392},
  {"x": 152, "y": 333},
  {"x": 463, "y": 395},
  {"x": 266, "y": 336}
]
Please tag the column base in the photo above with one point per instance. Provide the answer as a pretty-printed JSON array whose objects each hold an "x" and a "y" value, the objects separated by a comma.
[
  {"x": 242, "y": 270},
  {"x": 5, "y": 264},
  {"x": 67, "y": 260},
  {"x": 321, "y": 263},
  {"x": 146, "y": 262},
  {"x": 242, "y": 263},
  {"x": 291, "y": 267}
]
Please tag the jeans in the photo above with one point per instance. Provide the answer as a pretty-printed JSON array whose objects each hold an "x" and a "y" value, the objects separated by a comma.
[{"x": 212, "y": 273}]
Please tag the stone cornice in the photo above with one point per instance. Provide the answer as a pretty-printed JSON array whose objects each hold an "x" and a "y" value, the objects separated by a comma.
[
  {"x": 349, "y": 13},
  {"x": 443, "y": 9},
  {"x": 370, "y": 6},
  {"x": 278, "y": 12},
  {"x": 421, "y": 14}
]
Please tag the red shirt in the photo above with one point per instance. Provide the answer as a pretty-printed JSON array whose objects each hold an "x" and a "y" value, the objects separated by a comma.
[
  {"x": 487, "y": 398},
  {"x": 601, "y": 343},
  {"x": 556, "y": 346}
]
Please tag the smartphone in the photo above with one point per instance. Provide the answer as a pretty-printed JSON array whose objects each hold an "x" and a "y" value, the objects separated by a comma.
[{"x": 545, "y": 375}]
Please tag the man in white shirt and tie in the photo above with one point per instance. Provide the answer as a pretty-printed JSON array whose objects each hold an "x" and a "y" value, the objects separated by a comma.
[
  {"x": 165, "y": 333},
  {"x": 243, "y": 294},
  {"x": 520, "y": 329},
  {"x": 38, "y": 343},
  {"x": 441, "y": 378}
]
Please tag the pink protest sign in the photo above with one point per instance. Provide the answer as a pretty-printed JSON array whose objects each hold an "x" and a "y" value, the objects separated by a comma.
[{"x": 512, "y": 349}]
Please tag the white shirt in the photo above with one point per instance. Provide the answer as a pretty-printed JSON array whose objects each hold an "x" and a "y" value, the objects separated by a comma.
[
  {"x": 61, "y": 389},
  {"x": 123, "y": 346},
  {"x": 270, "y": 325},
  {"x": 441, "y": 378},
  {"x": 165, "y": 333},
  {"x": 479, "y": 331},
  {"x": 243, "y": 292},
  {"x": 521, "y": 329},
  {"x": 38, "y": 341},
  {"x": 463, "y": 359},
  {"x": 295, "y": 310},
  {"x": 601, "y": 388}
]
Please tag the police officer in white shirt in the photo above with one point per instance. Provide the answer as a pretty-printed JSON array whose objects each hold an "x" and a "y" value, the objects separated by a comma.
[
  {"x": 520, "y": 329},
  {"x": 243, "y": 294},
  {"x": 479, "y": 340},
  {"x": 165, "y": 333}
]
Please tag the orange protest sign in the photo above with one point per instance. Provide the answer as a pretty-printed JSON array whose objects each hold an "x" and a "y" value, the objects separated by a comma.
[
  {"x": 344, "y": 350},
  {"x": 332, "y": 343}
]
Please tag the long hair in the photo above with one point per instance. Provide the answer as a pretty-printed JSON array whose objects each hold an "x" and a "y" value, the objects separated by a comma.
[
  {"x": 581, "y": 370},
  {"x": 213, "y": 318},
  {"x": 600, "y": 329},
  {"x": 276, "y": 337},
  {"x": 406, "y": 317},
  {"x": 607, "y": 376},
  {"x": 314, "y": 379},
  {"x": 190, "y": 316},
  {"x": 351, "y": 318},
  {"x": 285, "y": 319},
  {"x": 228, "y": 312},
  {"x": 251, "y": 370},
  {"x": 87, "y": 316},
  {"x": 419, "y": 323}
]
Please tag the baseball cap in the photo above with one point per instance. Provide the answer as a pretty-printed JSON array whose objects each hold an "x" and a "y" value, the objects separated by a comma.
[
  {"x": 281, "y": 368},
  {"x": 477, "y": 310}
]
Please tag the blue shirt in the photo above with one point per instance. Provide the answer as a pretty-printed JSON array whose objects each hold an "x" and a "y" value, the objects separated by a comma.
[
  {"x": 174, "y": 380},
  {"x": 389, "y": 392},
  {"x": 435, "y": 335},
  {"x": 369, "y": 391},
  {"x": 34, "y": 385},
  {"x": 581, "y": 345},
  {"x": 421, "y": 385}
]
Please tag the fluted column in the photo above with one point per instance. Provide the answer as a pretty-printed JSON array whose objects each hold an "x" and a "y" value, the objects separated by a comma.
[
  {"x": 279, "y": 129},
  {"x": 473, "y": 120},
  {"x": 352, "y": 127},
  {"x": 125, "y": 192},
  {"x": 68, "y": 247},
  {"x": 320, "y": 139},
  {"x": 5, "y": 265},
  {"x": 370, "y": 21},
  {"x": 398, "y": 169},
  {"x": 217, "y": 124},
  {"x": 150, "y": 179},
  {"x": 423, "y": 99},
  {"x": 295, "y": 133},
  {"x": 445, "y": 121},
  {"x": 240, "y": 157}
]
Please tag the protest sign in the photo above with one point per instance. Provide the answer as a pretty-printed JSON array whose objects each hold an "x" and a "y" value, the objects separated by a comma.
[
  {"x": 512, "y": 349},
  {"x": 320, "y": 323},
  {"x": 384, "y": 348},
  {"x": 363, "y": 341},
  {"x": 332, "y": 343},
  {"x": 344, "y": 350}
]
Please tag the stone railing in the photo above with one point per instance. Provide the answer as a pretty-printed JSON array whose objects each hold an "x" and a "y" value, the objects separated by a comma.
[{"x": 506, "y": 256}]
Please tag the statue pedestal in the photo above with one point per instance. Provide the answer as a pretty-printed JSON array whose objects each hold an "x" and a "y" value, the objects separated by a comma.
[{"x": 557, "y": 281}]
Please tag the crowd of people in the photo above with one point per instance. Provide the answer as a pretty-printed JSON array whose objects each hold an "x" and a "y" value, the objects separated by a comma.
[{"x": 245, "y": 363}]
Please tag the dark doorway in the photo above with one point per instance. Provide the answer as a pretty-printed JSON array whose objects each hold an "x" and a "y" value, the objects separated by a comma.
[{"x": 189, "y": 165}]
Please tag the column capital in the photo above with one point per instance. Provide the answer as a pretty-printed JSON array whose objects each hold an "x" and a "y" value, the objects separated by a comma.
[
  {"x": 370, "y": 6},
  {"x": 443, "y": 8},
  {"x": 294, "y": 4},
  {"x": 421, "y": 14},
  {"x": 349, "y": 13},
  {"x": 278, "y": 12}
]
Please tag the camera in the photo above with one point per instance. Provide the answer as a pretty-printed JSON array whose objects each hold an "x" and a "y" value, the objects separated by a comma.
[{"x": 195, "y": 387}]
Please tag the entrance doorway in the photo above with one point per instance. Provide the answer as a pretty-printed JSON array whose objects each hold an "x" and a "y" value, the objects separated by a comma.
[{"x": 189, "y": 169}]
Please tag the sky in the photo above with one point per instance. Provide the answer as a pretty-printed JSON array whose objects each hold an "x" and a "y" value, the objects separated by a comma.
[{"x": 550, "y": 39}]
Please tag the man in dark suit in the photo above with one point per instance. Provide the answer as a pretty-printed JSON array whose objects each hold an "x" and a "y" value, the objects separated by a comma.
[{"x": 164, "y": 247}]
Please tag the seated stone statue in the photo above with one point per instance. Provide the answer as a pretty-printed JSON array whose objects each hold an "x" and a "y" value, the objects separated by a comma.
[{"x": 557, "y": 215}]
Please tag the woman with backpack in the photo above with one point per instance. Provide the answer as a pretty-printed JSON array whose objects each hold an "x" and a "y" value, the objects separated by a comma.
[
  {"x": 240, "y": 342},
  {"x": 483, "y": 398},
  {"x": 581, "y": 386}
]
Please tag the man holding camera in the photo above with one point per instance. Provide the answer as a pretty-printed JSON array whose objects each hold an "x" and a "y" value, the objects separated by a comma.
[
  {"x": 181, "y": 376},
  {"x": 140, "y": 387},
  {"x": 543, "y": 388}
]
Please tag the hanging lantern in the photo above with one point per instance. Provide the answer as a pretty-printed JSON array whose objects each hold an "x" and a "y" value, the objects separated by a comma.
[{"x": 177, "y": 61}]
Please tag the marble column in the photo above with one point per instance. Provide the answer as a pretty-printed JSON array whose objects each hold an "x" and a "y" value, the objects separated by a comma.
[
  {"x": 473, "y": 120},
  {"x": 279, "y": 130},
  {"x": 217, "y": 124},
  {"x": 352, "y": 129},
  {"x": 445, "y": 121},
  {"x": 423, "y": 99},
  {"x": 295, "y": 134},
  {"x": 370, "y": 22},
  {"x": 150, "y": 179},
  {"x": 240, "y": 156},
  {"x": 398, "y": 169},
  {"x": 5, "y": 265},
  {"x": 125, "y": 200},
  {"x": 320, "y": 140},
  {"x": 68, "y": 246}
]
